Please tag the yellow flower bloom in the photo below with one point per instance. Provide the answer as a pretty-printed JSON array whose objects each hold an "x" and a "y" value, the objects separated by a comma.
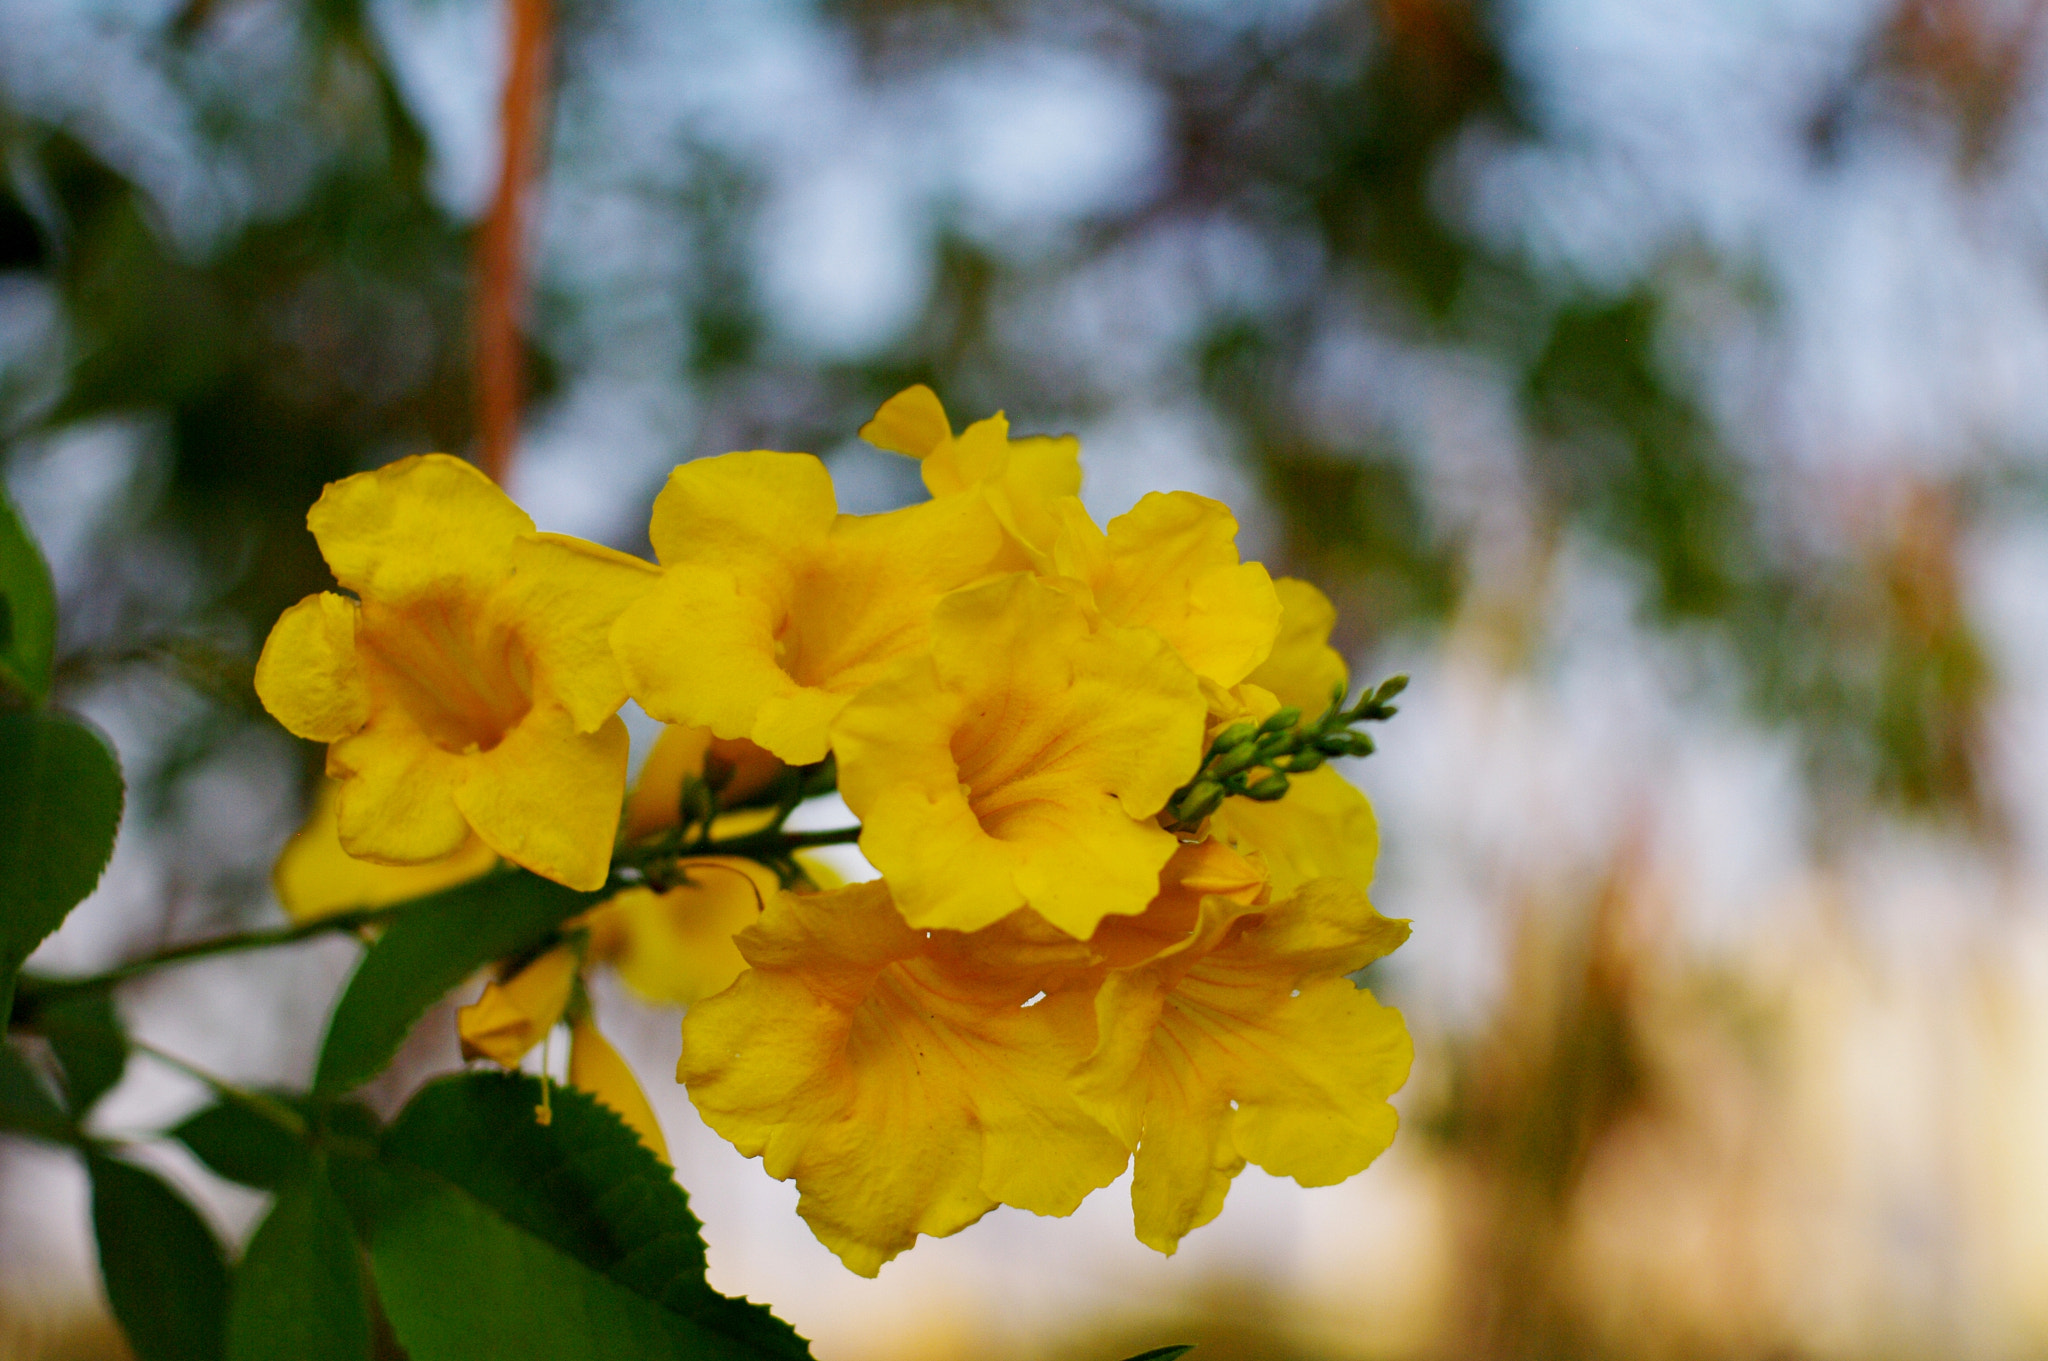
[
  {"x": 655, "y": 801},
  {"x": 595, "y": 1067},
  {"x": 1170, "y": 564},
  {"x": 515, "y": 1014},
  {"x": 678, "y": 946},
  {"x": 314, "y": 877},
  {"x": 1303, "y": 670},
  {"x": 774, "y": 609},
  {"x": 1324, "y": 828},
  {"x": 906, "y": 1087},
  {"x": 1023, "y": 480},
  {"x": 470, "y": 685},
  {"x": 1020, "y": 762},
  {"x": 1246, "y": 1042}
]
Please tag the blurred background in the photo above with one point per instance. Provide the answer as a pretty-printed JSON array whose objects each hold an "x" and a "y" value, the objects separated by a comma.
[{"x": 1664, "y": 386}]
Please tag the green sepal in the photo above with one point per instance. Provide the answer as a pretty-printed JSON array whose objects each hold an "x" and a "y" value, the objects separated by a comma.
[
  {"x": 60, "y": 807},
  {"x": 166, "y": 1277},
  {"x": 429, "y": 948}
]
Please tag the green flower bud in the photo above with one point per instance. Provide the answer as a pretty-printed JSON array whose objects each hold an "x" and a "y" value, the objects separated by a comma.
[
  {"x": 1236, "y": 735},
  {"x": 1202, "y": 799},
  {"x": 1230, "y": 762},
  {"x": 1268, "y": 789},
  {"x": 1281, "y": 719}
]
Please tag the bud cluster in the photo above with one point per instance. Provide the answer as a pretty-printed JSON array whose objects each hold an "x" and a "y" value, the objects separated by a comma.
[{"x": 1254, "y": 759}]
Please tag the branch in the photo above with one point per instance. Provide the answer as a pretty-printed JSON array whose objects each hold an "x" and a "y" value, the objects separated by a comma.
[{"x": 500, "y": 277}]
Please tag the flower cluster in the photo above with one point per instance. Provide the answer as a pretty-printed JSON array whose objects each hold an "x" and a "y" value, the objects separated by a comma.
[{"x": 1120, "y": 892}]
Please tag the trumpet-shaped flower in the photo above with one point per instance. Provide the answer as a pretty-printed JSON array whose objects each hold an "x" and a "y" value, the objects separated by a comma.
[
  {"x": 469, "y": 686},
  {"x": 677, "y": 946},
  {"x": 1023, "y": 480},
  {"x": 1246, "y": 1042},
  {"x": 1020, "y": 761},
  {"x": 907, "y": 1086},
  {"x": 774, "y": 609},
  {"x": 314, "y": 877},
  {"x": 1170, "y": 564},
  {"x": 1324, "y": 828}
]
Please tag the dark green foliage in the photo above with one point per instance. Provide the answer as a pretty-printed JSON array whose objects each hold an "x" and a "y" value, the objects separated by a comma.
[
  {"x": 86, "y": 1035},
  {"x": 493, "y": 1235},
  {"x": 427, "y": 950},
  {"x": 244, "y": 1146},
  {"x": 28, "y": 610},
  {"x": 60, "y": 806},
  {"x": 166, "y": 1278},
  {"x": 26, "y": 1104},
  {"x": 299, "y": 1291},
  {"x": 1173, "y": 1353}
]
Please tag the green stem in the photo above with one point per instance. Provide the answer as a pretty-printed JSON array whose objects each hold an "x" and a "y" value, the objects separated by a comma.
[
  {"x": 277, "y": 1113},
  {"x": 40, "y": 988}
]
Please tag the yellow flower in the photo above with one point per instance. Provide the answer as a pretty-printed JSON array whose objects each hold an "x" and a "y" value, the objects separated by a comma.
[
  {"x": 1246, "y": 1042},
  {"x": 1020, "y": 762},
  {"x": 516, "y": 1013},
  {"x": 678, "y": 946},
  {"x": 1023, "y": 480},
  {"x": 1324, "y": 828},
  {"x": 469, "y": 686},
  {"x": 1303, "y": 670},
  {"x": 1170, "y": 564},
  {"x": 595, "y": 1067},
  {"x": 655, "y": 802},
  {"x": 905, "y": 1085},
  {"x": 315, "y": 877},
  {"x": 774, "y": 609}
]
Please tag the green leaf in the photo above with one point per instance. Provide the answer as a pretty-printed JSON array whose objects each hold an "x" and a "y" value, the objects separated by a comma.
[
  {"x": 299, "y": 1293},
  {"x": 26, "y": 1105},
  {"x": 428, "y": 949},
  {"x": 28, "y": 609},
  {"x": 493, "y": 1235},
  {"x": 60, "y": 806},
  {"x": 243, "y": 1146},
  {"x": 166, "y": 1278},
  {"x": 86, "y": 1034},
  {"x": 1173, "y": 1353}
]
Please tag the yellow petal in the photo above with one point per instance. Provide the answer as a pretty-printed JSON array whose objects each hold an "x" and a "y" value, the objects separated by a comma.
[
  {"x": 1022, "y": 763},
  {"x": 307, "y": 676},
  {"x": 677, "y": 946},
  {"x": 1170, "y": 564},
  {"x": 566, "y": 595},
  {"x": 516, "y": 1014},
  {"x": 1323, "y": 828},
  {"x": 548, "y": 796},
  {"x": 315, "y": 877},
  {"x": 595, "y": 1067},
  {"x": 746, "y": 506},
  {"x": 423, "y": 525},
  {"x": 1250, "y": 1044},
  {"x": 397, "y": 801},
  {"x": 1303, "y": 670},
  {"x": 770, "y": 642},
  {"x": 906, "y": 1091},
  {"x": 912, "y": 422},
  {"x": 655, "y": 801}
]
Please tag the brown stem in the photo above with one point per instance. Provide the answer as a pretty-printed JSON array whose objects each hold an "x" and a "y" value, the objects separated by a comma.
[{"x": 500, "y": 278}]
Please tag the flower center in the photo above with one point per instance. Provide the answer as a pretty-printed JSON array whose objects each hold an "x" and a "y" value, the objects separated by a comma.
[{"x": 461, "y": 675}]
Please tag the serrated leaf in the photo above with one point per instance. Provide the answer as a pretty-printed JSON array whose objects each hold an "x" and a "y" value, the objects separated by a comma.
[
  {"x": 166, "y": 1278},
  {"x": 493, "y": 1235},
  {"x": 91, "y": 1046},
  {"x": 26, "y": 1105},
  {"x": 60, "y": 806},
  {"x": 244, "y": 1147},
  {"x": 429, "y": 948},
  {"x": 28, "y": 609},
  {"x": 299, "y": 1291}
]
